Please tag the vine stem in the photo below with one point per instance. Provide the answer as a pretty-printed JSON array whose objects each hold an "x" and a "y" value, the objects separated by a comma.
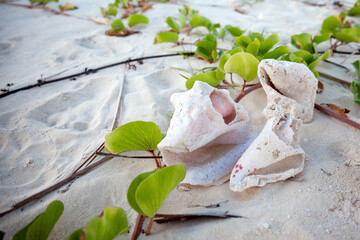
[
  {"x": 148, "y": 229},
  {"x": 89, "y": 71},
  {"x": 246, "y": 92},
  {"x": 137, "y": 229},
  {"x": 337, "y": 116},
  {"x": 55, "y": 186}
]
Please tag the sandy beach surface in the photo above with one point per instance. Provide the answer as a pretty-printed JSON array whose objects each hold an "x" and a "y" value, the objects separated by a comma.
[{"x": 47, "y": 132}]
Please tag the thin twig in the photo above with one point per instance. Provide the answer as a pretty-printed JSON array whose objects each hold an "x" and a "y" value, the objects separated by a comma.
[
  {"x": 247, "y": 91},
  {"x": 124, "y": 156},
  {"x": 338, "y": 116},
  {"x": 343, "y": 52},
  {"x": 92, "y": 156},
  {"x": 326, "y": 172},
  {"x": 336, "y": 64},
  {"x": 335, "y": 79},
  {"x": 88, "y": 71},
  {"x": 165, "y": 218},
  {"x": 56, "y": 186}
]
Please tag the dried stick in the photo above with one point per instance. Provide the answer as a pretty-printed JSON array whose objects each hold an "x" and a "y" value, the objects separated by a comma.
[
  {"x": 337, "y": 116},
  {"x": 92, "y": 157},
  {"x": 55, "y": 186},
  {"x": 88, "y": 71},
  {"x": 124, "y": 156}
]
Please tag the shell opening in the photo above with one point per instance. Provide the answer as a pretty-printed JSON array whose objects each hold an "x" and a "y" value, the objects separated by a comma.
[{"x": 223, "y": 106}]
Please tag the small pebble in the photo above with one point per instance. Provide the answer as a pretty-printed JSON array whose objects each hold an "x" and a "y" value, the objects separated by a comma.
[{"x": 305, "y": 140}]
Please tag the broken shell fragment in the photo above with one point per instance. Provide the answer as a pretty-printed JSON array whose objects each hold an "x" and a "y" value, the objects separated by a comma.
[
  {"x": 208, "y": 133},
  {"x": 291, "y": 85},
  {"x": 273, "y": 156}
]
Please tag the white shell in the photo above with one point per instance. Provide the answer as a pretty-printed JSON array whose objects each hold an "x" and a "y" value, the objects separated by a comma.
[
  {"x": 273, "y": 156},
  {"x": 208, "y": 133},
  {"x": 290, "y": 85}
]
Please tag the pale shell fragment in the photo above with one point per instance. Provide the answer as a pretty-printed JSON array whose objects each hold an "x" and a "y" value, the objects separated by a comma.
[
  {"x": 208, "y": 133},
  {"x": 290, "y": 85},
  {"x": 273, "y": 156}
]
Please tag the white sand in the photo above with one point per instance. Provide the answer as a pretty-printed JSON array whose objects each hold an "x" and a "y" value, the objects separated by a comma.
[{"x": 47, "y": 132}]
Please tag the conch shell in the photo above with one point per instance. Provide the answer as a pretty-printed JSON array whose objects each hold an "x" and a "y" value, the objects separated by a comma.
[
  {"x": 290, "y": 85},
  {"x": 273, "y": 156},
  {"x": 208, "y": 133}
]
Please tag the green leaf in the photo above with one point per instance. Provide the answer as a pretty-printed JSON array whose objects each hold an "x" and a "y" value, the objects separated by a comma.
[
  {"x": 111, "y": 223},
  {"x": 223, "y": 60},
  {"x": 268, "y": 43},
  {"x": 208, "y": 77},
  {"x": 136, "y": 135},
  {"x": 253, "y": 35},
  {"x": 111, "y": 11},
  {"x": 220, "y": 75},
  {"x": 244, "y": 64},
  {"x": 330, "y": 24},
  {"x": 214, "y": 55},
  {"x": 321, "y": 38},
  {"x": 303, "y": 41},
  {"x": 76, "y": 235},
  {"x": 137, "y": 19},
  {"x": 205, "y": 44},
  {"x": 222, "y": 33},
  {"x": 42, "y": 225},
  {"x": 253, "y": 48},
  {"x": 117, "y": 25},
  {"x": 348, "y": 35},
  {"x": 166, "y": 37},
  {"x": 277, "y": 52},
  {"x": 242, "y": 41},
  {"x": 354, "y": 11},
  {"x": 153, "y": 190},
  {"x": 132, "y": 190},
  {"x": 234, "y": 31},
  {"x": 198, "y": 20},
  {"x": 356, "y": 65},
  {"x": 202, "y": 52},
  {"x": 174, "y": 25},
  {"x": 125, "y": 3},
  {"x": 355, "y": 89},
  {"x": 326, "y": 55},
  {"x": 182, "y": 20}
]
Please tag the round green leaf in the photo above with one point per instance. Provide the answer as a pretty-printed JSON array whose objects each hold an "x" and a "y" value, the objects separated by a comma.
[
  {"x": 42, "y": 225},
  {"x": 174, "y": 25},
  {"x": 223, "y": 60},
  {"x": 331, "y": 23},
  {"x": 268, "y": 43},
  {"x": 111, "y": 223},
  {"x": 154, "y": 189},
  {"x": 166, "y": 37},
  {"x": 234, "y": 31},
  {"x": 277, "y": 52},
  {"x": 208, "y": 77},
  {"x": 242, "y": 41},
  {"x": 136, "y": 135},
  {"x": 244, "y": 64},
  {"x": 132, "y": 190},
  {"x": 137, "y": 19},
  {"x": 117, "y": 25}
]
